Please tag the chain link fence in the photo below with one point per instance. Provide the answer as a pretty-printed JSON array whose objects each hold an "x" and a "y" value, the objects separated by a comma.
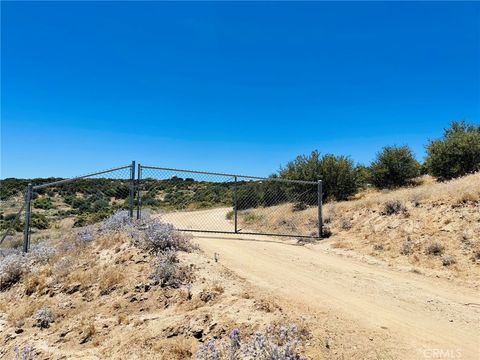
[
  {"x": 190, "y": 200},
  {"x": 51, "y": 207},
  {"x": 226, "y": 203},
  {"x": 12, "y": 206}
]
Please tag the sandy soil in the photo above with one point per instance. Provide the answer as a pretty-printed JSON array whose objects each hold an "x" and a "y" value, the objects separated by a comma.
[{"x": 424, "y": 317}]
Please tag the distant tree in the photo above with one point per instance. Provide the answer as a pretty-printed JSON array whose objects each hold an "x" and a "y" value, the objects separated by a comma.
[
  {"x": 338, "y": 174},
  {"x": 248, "y": 195},
  {"x": 394, "y": 166},
  {"x": 457, "y": 154},
  {"x": 363, "y": 175}
]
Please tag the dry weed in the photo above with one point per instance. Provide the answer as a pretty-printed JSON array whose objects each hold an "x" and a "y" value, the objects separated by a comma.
[{"x": 110, "y": 279}]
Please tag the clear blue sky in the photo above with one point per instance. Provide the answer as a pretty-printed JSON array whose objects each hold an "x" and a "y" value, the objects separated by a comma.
[{"x": 237, "y": 87}]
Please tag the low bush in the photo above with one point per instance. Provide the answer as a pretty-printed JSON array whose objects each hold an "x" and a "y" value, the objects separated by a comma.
[
  {"x": 326, "y": 232},
  {"x": 26, "y": 354},
  {"x": 273, "y": 344},
  {"x": 41, "y": 253},
  {"x": 14, "y": 264},
  {"x": 43, "y": 318},
  {"x": 12, "y": 268},
  {"x": 167, "y": 271},
  {"x": 392, "y": 207},
  {"x": 230, "y": 215},
  {"x": 434, "y": 248},
  {"x": 299, "y": 206},
  {"x": 407, "y": 247},
  {"x": 251, "y": 217},
  {"x": 345, "y": 224},
  {"x": 448, "y": 260},
  {"x": 116, "y": 222},
  {"x": 39, "y": 221},
  {"x": 85, "y": 235},
  {"x": 160, "y": 237},
  {"x": 44, "y": 203}
]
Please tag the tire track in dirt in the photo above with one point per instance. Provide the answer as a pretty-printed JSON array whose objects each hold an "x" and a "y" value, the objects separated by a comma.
[{"x": 426, "y": 315}]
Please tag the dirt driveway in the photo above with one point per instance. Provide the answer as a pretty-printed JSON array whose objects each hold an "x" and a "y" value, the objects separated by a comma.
[{"x": 427, "y": 318}]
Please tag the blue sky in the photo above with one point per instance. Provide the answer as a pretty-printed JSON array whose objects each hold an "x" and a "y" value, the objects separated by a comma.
[{"x": 235, "y": 87}]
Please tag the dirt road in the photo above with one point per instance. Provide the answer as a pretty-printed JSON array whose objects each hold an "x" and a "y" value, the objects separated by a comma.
[{"x": 428, "y": 318}]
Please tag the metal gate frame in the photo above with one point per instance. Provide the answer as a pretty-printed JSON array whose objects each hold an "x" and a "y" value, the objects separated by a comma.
[
  {"x": 235, "y": 207},
  {"x": 135, "y": 189},
  {"x": 27, "y": 206}
]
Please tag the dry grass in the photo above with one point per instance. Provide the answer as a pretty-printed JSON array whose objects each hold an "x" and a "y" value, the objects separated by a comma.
[
  {"x": 105, "y": 305},
  {"x": 110, "y": 278},
  {"x": 179, "y": 348},
  {"x": 379, "y": 223}
]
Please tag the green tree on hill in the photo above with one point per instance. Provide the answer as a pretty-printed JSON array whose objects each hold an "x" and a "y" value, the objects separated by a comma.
[
  {"x": 338, "y": 173},
  {"x": 394, "y": 166},
  {"x": 457, "y": 154}
]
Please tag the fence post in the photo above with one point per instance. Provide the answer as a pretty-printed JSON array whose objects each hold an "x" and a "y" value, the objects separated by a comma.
[
  {"x": 139, "y": 198},
  {"x": 235, "y": 205},
  {"x": 26, "y": 229},
  {"x": 320, "y": 217},
  {"x": 132, "y": 189}
]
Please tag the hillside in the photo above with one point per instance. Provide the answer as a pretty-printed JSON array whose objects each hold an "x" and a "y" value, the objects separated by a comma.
[
  {"x": 109, "y": 291},
  {"x": 432, "y": 226},
  {"x": 128, "y": 289}
]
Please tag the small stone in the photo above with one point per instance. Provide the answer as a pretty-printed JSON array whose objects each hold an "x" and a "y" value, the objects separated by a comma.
[
  {"x": 73, "y": 289},
  {"x": 18, "y": 330},
  {"x": 197, "y": 334}
]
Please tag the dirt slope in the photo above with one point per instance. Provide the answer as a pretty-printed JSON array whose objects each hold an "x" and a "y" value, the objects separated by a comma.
[
  {"x": 433, "y": 227},
  {"x": 425, "y": 317}
]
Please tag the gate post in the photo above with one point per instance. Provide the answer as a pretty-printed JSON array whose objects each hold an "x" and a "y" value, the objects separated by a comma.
[
  {"x": 235, "y": 204},
  {"x": 132, "y": 189},
  {"x": 139, "y": 198},
  {"x": 320, "y": 200},
  {"x": 26, "y": 229}
]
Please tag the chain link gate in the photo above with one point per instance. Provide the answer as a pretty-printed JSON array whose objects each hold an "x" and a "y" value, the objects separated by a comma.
[
  {"x": 196, "y": 201},
  {"x": 73, "y": 202},
  {"x": 200, "y": 201}
]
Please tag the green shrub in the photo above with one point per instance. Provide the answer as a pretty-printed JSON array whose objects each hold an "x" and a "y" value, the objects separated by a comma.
[
  {"x": 90, "y": 218},
  {"x": 338, "y": 173},
  {"x": 457, "y": 154},
  {"x": 248, "y": 195},
  {"x": 229, "y": 215},
  {"x": 363, "y": 175},
  {"x": 43, "y": 203},
  {"x": 274, "y": 192},
  {"x": 251, "y": 217},
  {"x": 393, "y": 167},
  {"x": 39, "y": 221}
]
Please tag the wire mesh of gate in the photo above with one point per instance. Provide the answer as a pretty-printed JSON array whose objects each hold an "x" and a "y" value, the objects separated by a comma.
[
  {"x": 275, "y": 206},
  {"x": 188, "y": 200},
  {"x": 215, "y": 202},
  {"x": 11, "y": 222},
  {"x": 61, "y": 205}
]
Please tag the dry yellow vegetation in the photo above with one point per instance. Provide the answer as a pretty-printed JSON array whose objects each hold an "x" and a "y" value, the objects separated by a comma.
[
  {"x": 430, "y": 226},
  {"x": 98, "y": 301}
]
